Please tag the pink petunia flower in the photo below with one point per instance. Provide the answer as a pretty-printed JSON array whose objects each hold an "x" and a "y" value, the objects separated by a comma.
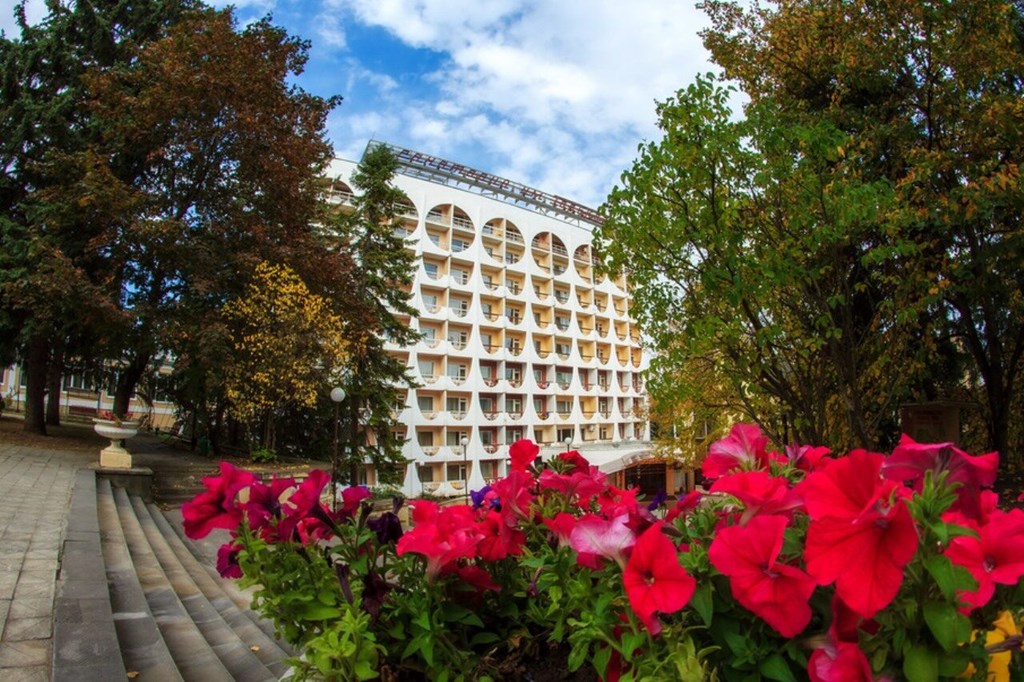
[
  {"x": 743, "y": 448},
  {"x": 595, "y": 535}
]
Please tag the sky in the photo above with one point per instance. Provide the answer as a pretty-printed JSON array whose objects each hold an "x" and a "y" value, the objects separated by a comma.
[{"x": 555, "y": 94}]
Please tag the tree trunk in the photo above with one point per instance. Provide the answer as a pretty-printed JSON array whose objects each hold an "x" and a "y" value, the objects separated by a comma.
[
  {"x": 36, "y": 361},
  {"x": 127, "y": 379},
  {"x": 53, "y": 387}
]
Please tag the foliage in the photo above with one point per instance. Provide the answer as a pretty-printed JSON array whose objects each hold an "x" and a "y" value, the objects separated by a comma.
[
  {"x": 793, "y": 565},
  {"x": 290, "y": 345},
  {"x": 55, "y": 285},
  {"x": 853, "y": 240}
]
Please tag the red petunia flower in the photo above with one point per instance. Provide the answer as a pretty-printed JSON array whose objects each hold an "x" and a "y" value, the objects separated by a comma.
[
  {"x": 777, "y": 593},
  {"x": 217, "y": 506},
  {"x": 744, "y": 447},
  {"x": 441, "y": 535},
  {"x": 839, "y": 662},
  {"x": 522, "y": 453},
  {"x": 513, "y": 492},
  {"x": 561, "y": 526},
  {"x": 262, "y": 504},
  {"x": 684, "y": 505},
  {"x": 578, "y": 463},
  {"x": 351, "y": 498},
  {"x": 654, "y": 580},
  {"x": 576, "y": 486},
  {"x": 861, "y": 534},
  {"x": 498, "y": 540},
  {"x": 302, "y": 503},
  {"x": 807, "y": 457},
  {"x": 995, "y": 556},
  {"x": 227, "y": 560},
  {"x": 759, "y": 492},
  {"x": 910, "y": 460}
]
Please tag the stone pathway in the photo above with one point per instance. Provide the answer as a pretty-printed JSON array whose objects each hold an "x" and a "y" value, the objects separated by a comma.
[{"x": 35, "y": 493}]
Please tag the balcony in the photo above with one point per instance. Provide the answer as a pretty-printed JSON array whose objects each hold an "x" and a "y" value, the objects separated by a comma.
[{"x": 431, "y": 450}]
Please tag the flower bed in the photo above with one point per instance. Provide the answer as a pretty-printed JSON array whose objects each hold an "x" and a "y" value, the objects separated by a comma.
[{"x": 793, "y": 565}]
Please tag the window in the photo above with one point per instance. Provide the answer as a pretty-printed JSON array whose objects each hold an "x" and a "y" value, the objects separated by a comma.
[
  {"x": 457, "y": 405},
  {"x": 425, "y": 403},
  {"x": 426, "y": 368},
  {"x": 487, "y": 437},
  {"x": 562, "y": 348},
  {"x": 513, "y": 374},
  {"x": 538, "y": 405},
  {"x": 563, "y": 406},
  {"x": 540, "y": 374},
  {"x": 431, "y": 269},
  {"x": 486, "y": 308},
  {"x": 426, "y": 474},
  {"x": 458, "y": 371},
  {"x": 486, "y": 404},
  {"x": 458, "y": 338},
  {"x": 565, "y": 433},
  {"x": 486, "y": 371},
  {"x": 460, "y": 276},
  {"x": 454, "y": 439},
  {"x": 456, "y": 471},
  {"x": 563, "y": 377},
  {"x": 512, "y": 435},
  {"x": 429, "y": 333},
  {"x": 513, "y": 405},
  {"x": 485, "y": 340},
  {"x": 430, "y": 300},
  {"x": 459, "y": 245},
  {"x": 425, "y": 439}
]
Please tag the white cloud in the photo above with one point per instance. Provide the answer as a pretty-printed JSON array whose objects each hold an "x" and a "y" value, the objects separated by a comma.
[{"x": 568, "y": 88}]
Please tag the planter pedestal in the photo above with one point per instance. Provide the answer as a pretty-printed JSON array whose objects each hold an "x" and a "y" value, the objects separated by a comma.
[{"x": 115, "y": 456}]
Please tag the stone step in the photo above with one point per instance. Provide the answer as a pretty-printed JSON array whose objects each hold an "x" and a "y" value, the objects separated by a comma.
[
  {"x": 236, "y": 654},
  {"x": 142, "y": 645},
  {"x": 85, "y": 643},
  {"x": 244, "y": 622},
  {"x": 193, "y": 656},
  {"x": 206, "y": 552}
]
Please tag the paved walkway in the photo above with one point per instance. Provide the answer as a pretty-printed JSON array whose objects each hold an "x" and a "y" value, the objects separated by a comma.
[{"x": 35, "y": 494}]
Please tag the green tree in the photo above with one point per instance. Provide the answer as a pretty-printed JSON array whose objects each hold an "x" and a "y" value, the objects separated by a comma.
[
  {"x": 54, "y": 291},
  {"x": 289, "y": 348},
  {"x": 379, "y": 300},
  {"x": 743, "y": 247},
  {"x": 930, "y": 94}
]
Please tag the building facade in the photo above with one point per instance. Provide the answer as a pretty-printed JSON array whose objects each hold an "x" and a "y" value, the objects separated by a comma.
[{"x": 522, "y": 337}]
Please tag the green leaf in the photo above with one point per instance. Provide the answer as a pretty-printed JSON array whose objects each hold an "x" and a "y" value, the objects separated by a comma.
[
  {"x": 947, "y": 624},
  {"x": 320, "y": 612},
  {"x": 702, "y": 602},
  {"x": 945, "y": 575},
  {"x": 775, "y": 668},
  {"x": 920, "y": 664}
]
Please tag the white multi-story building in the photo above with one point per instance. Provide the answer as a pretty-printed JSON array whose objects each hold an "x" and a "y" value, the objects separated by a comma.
[{"x": 522, "y": 338}]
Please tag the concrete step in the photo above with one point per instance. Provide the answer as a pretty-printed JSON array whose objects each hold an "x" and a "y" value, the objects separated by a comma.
[
  {"x": 205, "y": 551},
  {"x": 85, "y": 643},
  {"x": 237, "y": 655},
  {"x": 193, "y": 656},
  {"x": 243, "y": 622},
  {"x": 142, "y": 645}
]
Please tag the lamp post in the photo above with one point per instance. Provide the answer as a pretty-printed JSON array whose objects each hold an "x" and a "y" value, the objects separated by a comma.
[
  {"x": 337, "y": 396},
  {"x": 465, "y": 467},
  {"x": 568, "y": 443}
]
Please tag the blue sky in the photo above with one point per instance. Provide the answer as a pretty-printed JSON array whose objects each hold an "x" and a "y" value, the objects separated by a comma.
[{"x": 556, "y": 94}]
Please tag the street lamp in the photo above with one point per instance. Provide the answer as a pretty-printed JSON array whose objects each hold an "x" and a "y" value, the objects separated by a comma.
[
  {"x": 337, "y": 396},
  {"x": 465, "y": 467},
  {"x": 568, "y": 443}
]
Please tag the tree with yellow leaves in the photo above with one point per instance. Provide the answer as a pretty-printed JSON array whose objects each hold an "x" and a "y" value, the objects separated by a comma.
[{"x": 289, "y": 344}]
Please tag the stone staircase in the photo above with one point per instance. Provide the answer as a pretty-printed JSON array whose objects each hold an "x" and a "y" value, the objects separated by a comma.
[{"x": 134, "y": 601}]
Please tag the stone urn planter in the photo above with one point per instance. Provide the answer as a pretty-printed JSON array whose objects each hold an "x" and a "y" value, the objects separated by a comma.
[{"x": 115, "y": 456}]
